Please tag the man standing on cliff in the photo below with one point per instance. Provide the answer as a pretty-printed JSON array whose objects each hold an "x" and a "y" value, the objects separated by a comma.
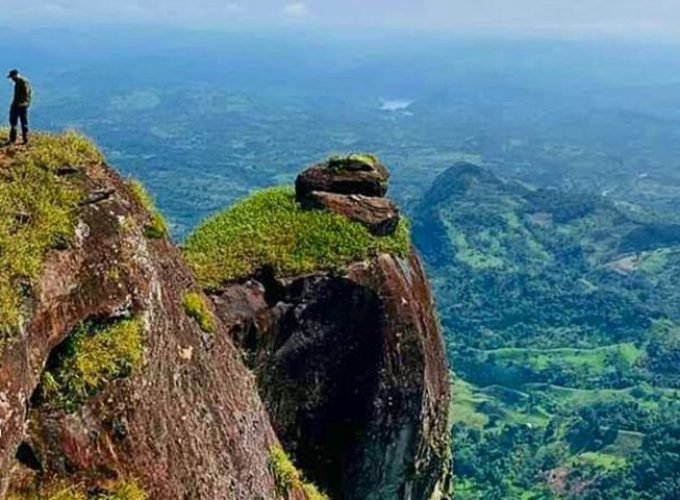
[{"x": 18, "y": 111}]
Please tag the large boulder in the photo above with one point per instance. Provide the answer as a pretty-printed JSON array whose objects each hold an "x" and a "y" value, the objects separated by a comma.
[
  {"x": 350, "y": 360},
  {"x": 353, "y": 372},
  {"x": 379, "y": 215},
  {"x": 353, "y": 174}
]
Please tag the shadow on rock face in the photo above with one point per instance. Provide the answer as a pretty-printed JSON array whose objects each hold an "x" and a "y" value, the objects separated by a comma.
[
  {"x": 323, "y": 374},
  {"x": 353, "y": 374}
]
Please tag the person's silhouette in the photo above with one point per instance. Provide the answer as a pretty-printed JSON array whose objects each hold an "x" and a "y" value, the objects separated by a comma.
[{"x": 18, "y": 111}]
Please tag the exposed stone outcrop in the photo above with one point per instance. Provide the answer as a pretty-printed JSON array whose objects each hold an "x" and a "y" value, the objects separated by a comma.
[
  {"x": 379, "y": 215},
  {"x": 188, "y": 423},
  {"x": 351, "y": 365},
  {"x": 351, "y": 375},
  {"x": 354, "y": 174},
  {"x": 353, "y": 186}
]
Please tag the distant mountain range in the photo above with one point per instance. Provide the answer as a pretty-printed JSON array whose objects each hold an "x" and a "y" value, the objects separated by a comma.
[{"x": 562, "y": 316}]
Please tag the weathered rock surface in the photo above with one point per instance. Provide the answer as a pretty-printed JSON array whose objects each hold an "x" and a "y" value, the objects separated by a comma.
[
  {"x": 354, "y": 375},
  {"x": 350, "y": 365},
  {"x": 353, "y": 186},
  {"x": 379, "y": 215},
  {"x": 368, "y": 178},
  {"x": 188, "y": 424}
]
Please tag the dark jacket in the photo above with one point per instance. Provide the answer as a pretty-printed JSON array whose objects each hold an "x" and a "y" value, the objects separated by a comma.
[{"x": 22, "y": 93}]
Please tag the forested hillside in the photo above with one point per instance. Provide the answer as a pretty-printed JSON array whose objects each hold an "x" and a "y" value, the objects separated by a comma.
[{"x": 562, "y": 316}]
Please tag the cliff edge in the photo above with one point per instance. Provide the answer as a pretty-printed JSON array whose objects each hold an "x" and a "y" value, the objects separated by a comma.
[
  {"x": 303, "y": 323},
  {"x": 339, "y": 328},
  {"x": 108, "y": 385}
]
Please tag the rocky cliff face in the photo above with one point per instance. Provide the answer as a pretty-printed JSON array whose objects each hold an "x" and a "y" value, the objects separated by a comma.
[
  {"x": 120, "y": 377},
  {"x": 167, "y": 421},
  {"x": 350, "y": 363}
]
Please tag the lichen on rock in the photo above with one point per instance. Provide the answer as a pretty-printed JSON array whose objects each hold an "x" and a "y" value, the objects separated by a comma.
[
  {"x": 353, "y": 161},
  {"x": 350, "y": 361}
]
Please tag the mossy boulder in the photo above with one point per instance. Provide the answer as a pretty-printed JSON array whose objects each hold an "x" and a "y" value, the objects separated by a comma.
[
  {"x": 379, "y": 215},
  {"x": 352, "y": 174},
  {"x": 331, "y": 307}
]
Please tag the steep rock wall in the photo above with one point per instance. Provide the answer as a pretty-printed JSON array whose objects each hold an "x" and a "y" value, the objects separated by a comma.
[
  {"x": 354, "y": 375},
  {"x": 187, "y": 423},
  {"x": 350, "y": 363}
]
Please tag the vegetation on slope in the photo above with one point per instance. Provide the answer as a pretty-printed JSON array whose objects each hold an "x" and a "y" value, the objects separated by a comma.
[
  {"x": 563, "y": 323},
  {"x": 195, "y": 307},
  {"x": 112, "y": 490},
  {"x": 157, "y": 227},
  {"x": 91, "y": 357},
  {"x": 288, "y": 477},
  {"x": 37, "y": 212},
  {"x": 269, "y": 229}
]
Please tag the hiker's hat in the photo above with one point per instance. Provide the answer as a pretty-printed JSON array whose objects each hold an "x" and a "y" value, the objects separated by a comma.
[{"x": 14, "y": 72}]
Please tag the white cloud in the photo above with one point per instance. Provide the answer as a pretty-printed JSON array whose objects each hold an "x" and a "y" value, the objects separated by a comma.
[{"x": 296, "y": 9}]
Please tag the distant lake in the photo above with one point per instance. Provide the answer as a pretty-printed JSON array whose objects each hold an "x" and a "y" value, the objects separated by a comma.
[{"x": 395, "y": 104}]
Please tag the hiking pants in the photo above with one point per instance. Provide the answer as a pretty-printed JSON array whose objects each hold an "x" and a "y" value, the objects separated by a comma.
[{"x": 18, "y": 114}]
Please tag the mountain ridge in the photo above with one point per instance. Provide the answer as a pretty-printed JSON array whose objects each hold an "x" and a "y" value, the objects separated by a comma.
[{"x": 561, "y": 322}]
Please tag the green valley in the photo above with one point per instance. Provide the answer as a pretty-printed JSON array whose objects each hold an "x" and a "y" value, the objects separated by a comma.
[{"x": 562, "y": 317}]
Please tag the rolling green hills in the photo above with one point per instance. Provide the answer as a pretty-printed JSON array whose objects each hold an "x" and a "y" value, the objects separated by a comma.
[{"x": 562, "y": 315}]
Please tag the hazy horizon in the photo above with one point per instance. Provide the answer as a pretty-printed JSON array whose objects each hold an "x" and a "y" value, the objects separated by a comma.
[{"x": 630, "y": 19}]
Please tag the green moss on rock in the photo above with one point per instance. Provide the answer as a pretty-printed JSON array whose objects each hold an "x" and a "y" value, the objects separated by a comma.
[
  {"x": 90, "y": 358},
  {"x": 340, "y": 162},
  {"x": 122, "y": 490},
  {"x": 288, "y": 478},
  {"x": 196, "y": 308},
  {"x": 59, "y": 491},
  {"x": 38, "y": 210},
  {"x": 312, "y": 492},
  {"x": 269, "y": 229},
  {"x": 157, "y": 227},
  {"x": 62, "y": 490}
]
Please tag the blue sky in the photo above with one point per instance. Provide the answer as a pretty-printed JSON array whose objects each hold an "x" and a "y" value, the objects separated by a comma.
[{"x": 626, "y": 18}]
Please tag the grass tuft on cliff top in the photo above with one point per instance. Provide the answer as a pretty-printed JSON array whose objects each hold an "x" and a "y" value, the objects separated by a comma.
[
  {"x": 270, "y": 229},
  {"x": 91, "y": 357},
  {"x": 288, "y": 478},
  {"x": 157, "y": 227},
  {"x": 37, "y": 212}
]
